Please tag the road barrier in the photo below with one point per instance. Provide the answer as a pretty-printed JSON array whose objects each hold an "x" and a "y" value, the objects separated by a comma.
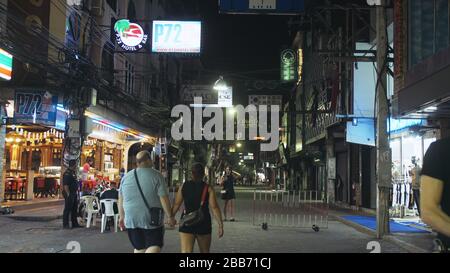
[{"x": 293, "y": 209}]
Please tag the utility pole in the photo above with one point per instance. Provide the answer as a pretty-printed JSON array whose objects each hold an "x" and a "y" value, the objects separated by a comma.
[
  {"x": 383, "y": 148},
  {"x": 2, "y": 150}
]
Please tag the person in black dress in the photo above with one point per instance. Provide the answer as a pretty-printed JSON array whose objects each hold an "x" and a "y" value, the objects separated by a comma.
[
  {"x": 191, "y": 194},
  {"x": 228, "y": 194}
]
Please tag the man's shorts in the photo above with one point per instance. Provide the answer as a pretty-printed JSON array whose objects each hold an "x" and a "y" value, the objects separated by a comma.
[{"x": 142, "y": 239}]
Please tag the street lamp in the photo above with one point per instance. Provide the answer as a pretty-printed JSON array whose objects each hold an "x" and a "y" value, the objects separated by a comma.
[
  {"x": 220, "y": 84},
  {"x": 239, "y": 145}
]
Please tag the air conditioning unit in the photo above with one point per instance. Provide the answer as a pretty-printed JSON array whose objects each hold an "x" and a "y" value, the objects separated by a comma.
[{"x": 98, "y": 7}]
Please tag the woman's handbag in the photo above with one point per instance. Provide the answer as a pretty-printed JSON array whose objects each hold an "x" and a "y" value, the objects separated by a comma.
[
  {"x": 195, "y": 217},
  {"x": 156, "y": 214}
]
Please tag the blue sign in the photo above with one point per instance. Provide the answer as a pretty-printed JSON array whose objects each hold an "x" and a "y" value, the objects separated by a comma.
[
  {"x": 35, "y": 107},
  {"x": 362, "y": 130},
  {"x": 279, "y": 7},
  {"x": 398, "y": 125}
]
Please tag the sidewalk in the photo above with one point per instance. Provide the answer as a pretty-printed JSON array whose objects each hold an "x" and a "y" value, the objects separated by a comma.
[
  {"x": 413, "y": 242},
  {"x": 33, "y": 204}
]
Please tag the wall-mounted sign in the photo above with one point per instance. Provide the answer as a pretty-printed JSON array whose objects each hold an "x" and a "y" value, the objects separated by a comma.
[
  {"x": 226, "y": 98},
  {"x": 130, "y": 36},
  {"x": 6, "y": 64},
  {"x": 289, "y": 66},
  {"x": 177, "y": 37},
  {"x": 189, "y": 92},
  {"x": 35, "y": 107},
  {"x": 265, "y": 100},
  {"x": 276, "y": 7}
]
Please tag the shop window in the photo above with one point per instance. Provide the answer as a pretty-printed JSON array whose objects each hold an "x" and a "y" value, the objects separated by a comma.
[
  {"x": 24, "y": 161},
  {"x": 396, "y": 159},
  {"x": 428, "y": 28},
  {"x": 129, "y": 77},
  {"x": 56, "y": 157},
  {"x": 108, "y": 63}
]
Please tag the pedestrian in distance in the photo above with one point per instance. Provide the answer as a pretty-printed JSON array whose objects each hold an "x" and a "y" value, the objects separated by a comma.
[
  {"x": 70, "y": 189},
  {"x": 415, "y": 175},
  {"x": 143, "y": 200},
  {"x": 228, "y": 194},
  {"x": 435, "y": 191},
  {"x": 197, "y": 195}
]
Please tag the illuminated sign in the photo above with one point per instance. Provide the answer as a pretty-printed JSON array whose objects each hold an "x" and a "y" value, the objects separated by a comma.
[
  {"x": 177, "y": 36},
  {"x": 276, "y": 7},
  {"x": 130, "y": 36},
  {"x": 6, "y": 64},
  {"x": 288, "y": 66},
  {"x": 226, "y": 97},
  {"x": 300, "y": 65},
  {"x": 36, "y": 107}
]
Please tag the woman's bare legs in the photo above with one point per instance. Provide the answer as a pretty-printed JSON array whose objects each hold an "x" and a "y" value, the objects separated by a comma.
[
  {"x": 204, "y": 243},
  {"x": 187, "y": 242},
  {"x": 225, "y": 207},
  {"x": 232, "y": 209}
]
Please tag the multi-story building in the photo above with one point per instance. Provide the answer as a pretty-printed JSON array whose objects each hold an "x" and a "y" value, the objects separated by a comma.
[{"x": 116, "y": 102}]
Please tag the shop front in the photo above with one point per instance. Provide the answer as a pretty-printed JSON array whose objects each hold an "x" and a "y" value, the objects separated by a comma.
[
  {"x": 33, "y": 148},
  {"x": 409, "y": 147},
  {"x": 33, "y": 162},
  {"x": 109, "y": 150}
]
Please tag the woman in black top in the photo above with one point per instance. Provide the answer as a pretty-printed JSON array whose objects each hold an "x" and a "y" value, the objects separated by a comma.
[
  {"x": 228, "y": 193},
  {"x": 191, "y": 193}
]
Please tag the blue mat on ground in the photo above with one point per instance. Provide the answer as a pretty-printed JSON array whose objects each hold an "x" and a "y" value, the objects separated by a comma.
[{"x": 370, "y": 222}]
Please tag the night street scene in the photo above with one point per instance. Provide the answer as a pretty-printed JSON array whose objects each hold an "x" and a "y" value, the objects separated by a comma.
[{"x": 231, "y": 127}]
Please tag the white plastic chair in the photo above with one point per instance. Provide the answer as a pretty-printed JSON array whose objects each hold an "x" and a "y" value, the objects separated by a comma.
[
  {"x": 108, "y": 211},
  {"x": 90, "y": 210}
]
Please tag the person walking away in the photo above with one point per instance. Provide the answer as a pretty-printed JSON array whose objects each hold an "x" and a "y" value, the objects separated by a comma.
[
  {"x": 196, "y": 194},
  {"x": 70, "y": 188},
  {"x": 143, "y": 200},
  {"x": 228, "y": 194},
  {"x": 435, "y": 191}
]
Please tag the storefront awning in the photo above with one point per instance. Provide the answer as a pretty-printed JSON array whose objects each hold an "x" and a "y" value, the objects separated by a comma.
[{"x": 112, "y": 120}]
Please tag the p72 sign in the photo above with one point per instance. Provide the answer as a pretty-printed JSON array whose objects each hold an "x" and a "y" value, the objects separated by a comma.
[
  {"x": 169, "y": 33},
  {"x": 177, "y": 36},
  {"x": 28, "y": 104},
  {"x": 35, "y": 107}
]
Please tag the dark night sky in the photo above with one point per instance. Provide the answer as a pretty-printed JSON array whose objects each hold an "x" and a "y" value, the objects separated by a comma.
[{"x": 237, "y": 43}]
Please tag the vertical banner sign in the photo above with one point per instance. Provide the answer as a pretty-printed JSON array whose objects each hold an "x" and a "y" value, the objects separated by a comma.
[
  {"x": 6, "y": 64},
  {"x": 289, "y": 67},
  {"x": 35, "y": 107},
  {"x": 399, "y": 40},
  {"x": 226, "y": 98}
]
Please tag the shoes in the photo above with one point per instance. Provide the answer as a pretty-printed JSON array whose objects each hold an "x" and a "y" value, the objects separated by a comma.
[
  {"x": 66, "y": 227},
  {"x": 77, "y": 226},
  {"x": 232, "y": 220}
]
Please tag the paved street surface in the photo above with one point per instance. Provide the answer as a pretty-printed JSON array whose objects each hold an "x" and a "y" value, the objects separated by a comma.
[{"x": 240, "y": 237}]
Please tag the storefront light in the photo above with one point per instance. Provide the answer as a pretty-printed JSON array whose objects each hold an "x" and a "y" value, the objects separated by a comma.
[
  {"x": 18, "y": 140},
  {"x": 9, "y": 140}
]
